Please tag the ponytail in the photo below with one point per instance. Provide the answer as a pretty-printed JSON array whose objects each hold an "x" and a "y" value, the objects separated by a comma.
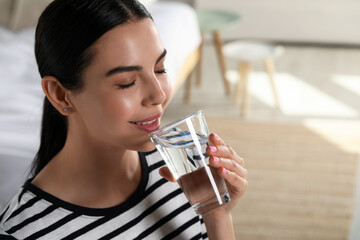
[{"x": 53, "y": 136}]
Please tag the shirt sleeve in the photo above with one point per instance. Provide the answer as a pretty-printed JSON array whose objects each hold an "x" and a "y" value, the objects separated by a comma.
[{"x": 5, "y": 236}]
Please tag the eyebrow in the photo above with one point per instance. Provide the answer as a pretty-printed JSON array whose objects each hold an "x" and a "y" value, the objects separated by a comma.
[
  {"x": 161, "y": 56},
  {"x": 122, "y": 69}
]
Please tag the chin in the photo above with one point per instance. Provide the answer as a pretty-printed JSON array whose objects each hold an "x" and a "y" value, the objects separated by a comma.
[{"x": 146, "y": 147}]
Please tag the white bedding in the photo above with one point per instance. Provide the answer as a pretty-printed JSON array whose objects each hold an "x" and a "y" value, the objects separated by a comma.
[{"x": 21, "y": 95}]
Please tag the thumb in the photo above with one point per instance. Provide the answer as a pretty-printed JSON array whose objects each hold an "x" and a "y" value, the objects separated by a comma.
[{"x": 165, "y": 173}]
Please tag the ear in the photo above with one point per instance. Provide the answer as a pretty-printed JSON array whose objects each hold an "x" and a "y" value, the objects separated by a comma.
[{"x": 57, "y": 94}]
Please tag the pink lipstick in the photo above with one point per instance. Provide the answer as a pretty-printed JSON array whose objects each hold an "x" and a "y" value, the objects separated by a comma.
[{"x": 149, "y": 124}]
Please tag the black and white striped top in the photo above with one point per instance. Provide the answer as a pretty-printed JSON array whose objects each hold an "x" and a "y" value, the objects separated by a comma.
[{"x": 157, "y": 210}]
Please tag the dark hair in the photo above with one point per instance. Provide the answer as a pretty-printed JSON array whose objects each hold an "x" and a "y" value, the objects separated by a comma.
[{"x": 64, "y": 35}]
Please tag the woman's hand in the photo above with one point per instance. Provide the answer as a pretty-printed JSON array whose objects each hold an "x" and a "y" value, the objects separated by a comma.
[
  {"x": 218, "y": 222},
  {"x": 230, "y": 167}
]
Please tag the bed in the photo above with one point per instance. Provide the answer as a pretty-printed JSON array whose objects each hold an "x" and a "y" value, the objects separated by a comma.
[{"x": 21, "y": 95}]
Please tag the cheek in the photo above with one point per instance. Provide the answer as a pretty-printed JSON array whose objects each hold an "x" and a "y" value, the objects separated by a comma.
[
  {"x": 167, "y": 88},
  {"x": 121, "y": 108},
  {"x": 103, "y": 109}
]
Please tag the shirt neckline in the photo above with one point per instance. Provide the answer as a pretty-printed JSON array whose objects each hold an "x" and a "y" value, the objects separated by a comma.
[{"x": 118, "y": 209}]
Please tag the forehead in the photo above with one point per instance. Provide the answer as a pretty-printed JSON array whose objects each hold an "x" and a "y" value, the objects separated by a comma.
[{"x": 128, "y": 43}]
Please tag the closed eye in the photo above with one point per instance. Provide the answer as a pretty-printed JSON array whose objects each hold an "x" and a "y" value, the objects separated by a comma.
[
  {"x": 125, "y": 86},
  {"x": 162, "y": 71}
]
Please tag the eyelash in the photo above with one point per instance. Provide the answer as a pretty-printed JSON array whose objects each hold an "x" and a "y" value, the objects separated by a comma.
[
  {"x": 129, "y": 85},
  {"x": 162, "y": 71}
]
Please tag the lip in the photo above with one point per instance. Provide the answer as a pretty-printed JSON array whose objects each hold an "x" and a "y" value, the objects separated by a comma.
[
  {"x": 148, "y": 127},
  {"x": 150, "y": 118}
]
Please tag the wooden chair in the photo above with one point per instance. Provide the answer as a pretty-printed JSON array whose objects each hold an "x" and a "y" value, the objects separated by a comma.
[{"x": 212, "y": 22}]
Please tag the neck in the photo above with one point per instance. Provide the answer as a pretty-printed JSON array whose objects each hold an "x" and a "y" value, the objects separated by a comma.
[{"x": 91, "y": 174}]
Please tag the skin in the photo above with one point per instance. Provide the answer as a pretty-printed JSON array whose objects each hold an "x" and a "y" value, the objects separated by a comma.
[{"x": 102, "y": 144}]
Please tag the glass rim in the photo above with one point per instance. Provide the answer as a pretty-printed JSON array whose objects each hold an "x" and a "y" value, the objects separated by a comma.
[{"x": 176, "y": 122}]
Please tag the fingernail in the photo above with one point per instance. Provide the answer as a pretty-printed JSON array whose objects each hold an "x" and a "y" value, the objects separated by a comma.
[
  {"x": 216, "y": 136},
  {"x": 224, "y": 170},
  {"x": 216, "y": 159},
  {"x": 213, "y": 149}
]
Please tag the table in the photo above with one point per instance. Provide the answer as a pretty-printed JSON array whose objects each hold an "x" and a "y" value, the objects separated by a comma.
[{"x": 246, "y": 53}]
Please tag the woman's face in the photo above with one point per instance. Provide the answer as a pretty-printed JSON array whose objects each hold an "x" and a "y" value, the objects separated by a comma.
[{"x": 125, "y": 88}]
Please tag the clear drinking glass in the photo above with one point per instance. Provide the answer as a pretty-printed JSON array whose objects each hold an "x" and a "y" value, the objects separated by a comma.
[{"x": 183, "y": 144}]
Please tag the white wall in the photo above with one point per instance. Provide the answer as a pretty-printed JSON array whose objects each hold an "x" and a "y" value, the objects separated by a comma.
[{"x": 329, "y": 21}]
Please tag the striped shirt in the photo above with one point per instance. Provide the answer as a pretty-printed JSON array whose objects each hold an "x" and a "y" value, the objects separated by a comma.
[{"x": 157, "y": 210}]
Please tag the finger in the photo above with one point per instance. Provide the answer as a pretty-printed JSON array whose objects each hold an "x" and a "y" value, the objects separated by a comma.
[
  {"x": 224, "y": 151},
  {"x": 165, "y": 173},
  {"x": 230, "y": 165},
  {"x": 237, "y": 184},
  {"x": 215, "y": 139}
]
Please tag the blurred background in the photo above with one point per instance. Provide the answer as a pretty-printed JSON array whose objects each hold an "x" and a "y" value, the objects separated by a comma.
[
  {"x": 302, "y": 157},
  {"x": 278, "y": 80}
]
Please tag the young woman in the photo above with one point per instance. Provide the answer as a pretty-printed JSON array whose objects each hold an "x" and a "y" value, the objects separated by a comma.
[{"x": 96, "y": 174}]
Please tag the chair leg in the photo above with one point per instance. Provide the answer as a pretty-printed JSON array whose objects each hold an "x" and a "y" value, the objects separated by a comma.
[
  {"x": 242, "y": 94},
  {"x": 199, "y": 65},
  {"x": 270, "y": 68},
  {"x": 187, "y": 92},
  {"x": 219, "y": 44}
]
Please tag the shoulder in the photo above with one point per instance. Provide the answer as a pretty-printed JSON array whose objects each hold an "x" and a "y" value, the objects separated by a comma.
[
  {"x": 26, "y": 212},
  {"x": 10, "y": 211},
  {"x": 5, "y": 236}
]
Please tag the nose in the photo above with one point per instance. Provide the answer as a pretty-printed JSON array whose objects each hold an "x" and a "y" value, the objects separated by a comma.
[{"x": 154, "y": 92}]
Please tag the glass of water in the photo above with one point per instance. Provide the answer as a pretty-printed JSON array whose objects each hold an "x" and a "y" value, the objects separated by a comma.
[{"x": 183, "y": 144}]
